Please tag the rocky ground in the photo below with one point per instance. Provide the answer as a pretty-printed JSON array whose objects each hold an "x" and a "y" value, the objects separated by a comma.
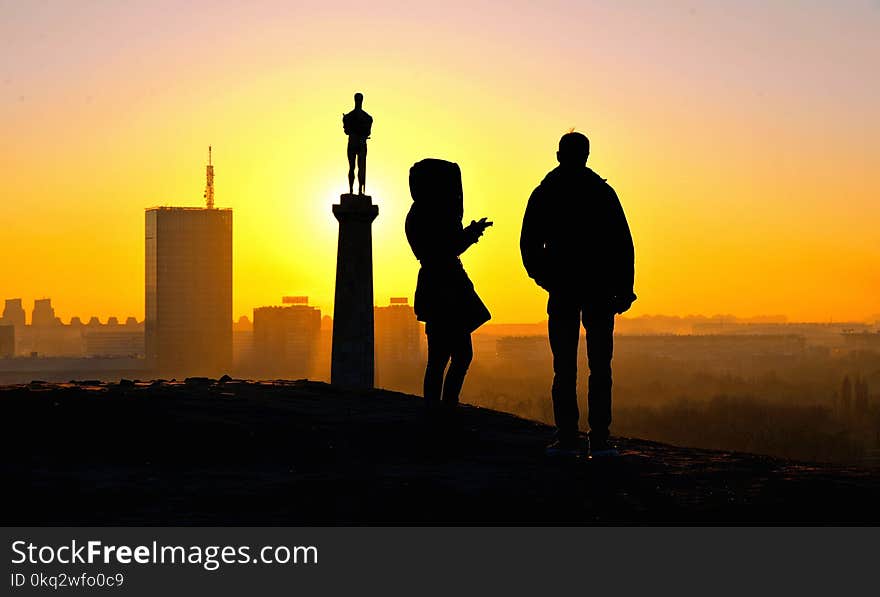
[{"x": 234, "y": 452}]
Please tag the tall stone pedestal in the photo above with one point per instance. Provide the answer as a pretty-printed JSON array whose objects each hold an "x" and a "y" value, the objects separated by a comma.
[{"x": 352, "y": 359}]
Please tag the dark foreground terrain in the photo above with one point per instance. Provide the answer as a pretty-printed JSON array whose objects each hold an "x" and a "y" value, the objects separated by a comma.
[{"x": 296, "y": 453}]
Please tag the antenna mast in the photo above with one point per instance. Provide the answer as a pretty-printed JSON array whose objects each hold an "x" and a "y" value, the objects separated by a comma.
[{"x": 209, "y": 188}]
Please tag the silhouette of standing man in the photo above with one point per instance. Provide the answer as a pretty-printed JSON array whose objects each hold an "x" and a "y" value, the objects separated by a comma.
[
  {"x": 357, "y": 124},
  {"x": 576, "y": 244}
]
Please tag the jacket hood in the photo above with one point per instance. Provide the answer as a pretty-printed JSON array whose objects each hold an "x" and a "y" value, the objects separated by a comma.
[
  {"x": 433, "y": 180},
  {"x": 435, "y": 186}
]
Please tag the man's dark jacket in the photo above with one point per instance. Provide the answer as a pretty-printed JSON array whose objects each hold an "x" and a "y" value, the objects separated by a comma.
[{"x": 575, "y": 239}]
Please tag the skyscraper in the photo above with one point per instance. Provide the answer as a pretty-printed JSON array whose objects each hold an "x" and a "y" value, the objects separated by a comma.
[
  {"x": 43, "y": 314},
  {"x": 188, "y": 325},
  {"x": 7, "y": 340},
  {"x": 399, "y": 353},
  {"x": 13, "y": 313},
  {"x": 286, "y": 339},
  {"x": 398, "y": 332}
]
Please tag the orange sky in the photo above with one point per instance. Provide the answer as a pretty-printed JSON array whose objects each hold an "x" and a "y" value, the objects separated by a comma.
[{"x": 742, "y": 140}]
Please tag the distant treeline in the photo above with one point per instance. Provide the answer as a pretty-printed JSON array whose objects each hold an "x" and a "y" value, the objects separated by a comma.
[{"x": 815, "y": 407}]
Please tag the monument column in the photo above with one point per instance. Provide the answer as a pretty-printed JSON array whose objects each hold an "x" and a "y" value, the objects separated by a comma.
[{"x": 352, "y": 356}]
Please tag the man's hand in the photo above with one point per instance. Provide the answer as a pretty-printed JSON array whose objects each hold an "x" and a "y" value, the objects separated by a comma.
[{"x": 622, "y": 303}]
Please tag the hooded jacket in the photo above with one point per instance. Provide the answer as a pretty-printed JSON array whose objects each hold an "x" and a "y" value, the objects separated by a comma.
[
  {"x": 445, "y": 298},
  {"x": 575, "y": 239}
]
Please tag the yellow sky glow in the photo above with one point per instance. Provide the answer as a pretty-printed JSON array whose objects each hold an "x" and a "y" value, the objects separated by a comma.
[{"x": 749, "y": 178}]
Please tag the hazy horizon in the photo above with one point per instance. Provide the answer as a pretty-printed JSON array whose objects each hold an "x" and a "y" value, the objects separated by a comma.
[
  {"x": 779, "y": 318},
  {"x": 740, "y": 138}
]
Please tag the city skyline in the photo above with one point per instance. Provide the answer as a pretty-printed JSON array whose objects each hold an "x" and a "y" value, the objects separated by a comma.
[
  {"x": 747, "y": 179},
  {"x": 124, "y": 319}
]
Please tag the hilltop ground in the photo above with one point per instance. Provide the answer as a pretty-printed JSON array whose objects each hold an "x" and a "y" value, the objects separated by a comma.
[{"x": 304, "y": 453}]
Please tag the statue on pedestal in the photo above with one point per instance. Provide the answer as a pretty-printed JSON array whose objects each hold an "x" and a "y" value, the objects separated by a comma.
[{"x": 357, "y": 124}]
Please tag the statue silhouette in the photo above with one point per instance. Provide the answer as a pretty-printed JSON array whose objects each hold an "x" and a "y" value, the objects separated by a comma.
[
  {"x": 576, "y": 244},
  {"x": 357, "y": 124},
  {"x": 445, "y": 298}
]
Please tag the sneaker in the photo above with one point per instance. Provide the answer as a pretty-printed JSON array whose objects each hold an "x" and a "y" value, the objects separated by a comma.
[
  {"x": 601, "y": 448},
  {"x": 567, "y": 448}
]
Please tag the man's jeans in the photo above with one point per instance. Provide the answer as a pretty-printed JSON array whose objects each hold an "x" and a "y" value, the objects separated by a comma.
[{"x": 565, "y": 317}]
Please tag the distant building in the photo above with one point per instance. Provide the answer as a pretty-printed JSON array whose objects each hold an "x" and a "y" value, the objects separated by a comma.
[
  {"x": 188, "y": 291},
  {"x": 286, "y": 340},
  {"x": 518, "y": 351},
  {"x": 113, "y": 340},
  {"x": 862, "y": 341},
  {"x": 7, "y": 341},
  {"x": 242, "y": 345},
  {"x": 50, "y": 337},
  {"x": 47, "y": 336},
  {"x": 737, "y": 354},
  {"x": 398, "y": 342},
  {"x": 13, "y": 313},
  {"x": 830, "y": 334},
  {"x": 43, "y": 314},
  {"x": 325, "y": 350}
]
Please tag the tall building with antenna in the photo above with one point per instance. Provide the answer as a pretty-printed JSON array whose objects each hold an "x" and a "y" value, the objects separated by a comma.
[
  {"x": 188, "y": 290},
  {"x": 209, "y": 185}
]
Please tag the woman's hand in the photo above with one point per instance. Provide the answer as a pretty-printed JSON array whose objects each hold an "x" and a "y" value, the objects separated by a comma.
[{"x": 477, "y": 227}]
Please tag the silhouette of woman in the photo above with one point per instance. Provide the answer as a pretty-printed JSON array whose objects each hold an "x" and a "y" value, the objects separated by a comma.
[{"x": 445, "y": 298}]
